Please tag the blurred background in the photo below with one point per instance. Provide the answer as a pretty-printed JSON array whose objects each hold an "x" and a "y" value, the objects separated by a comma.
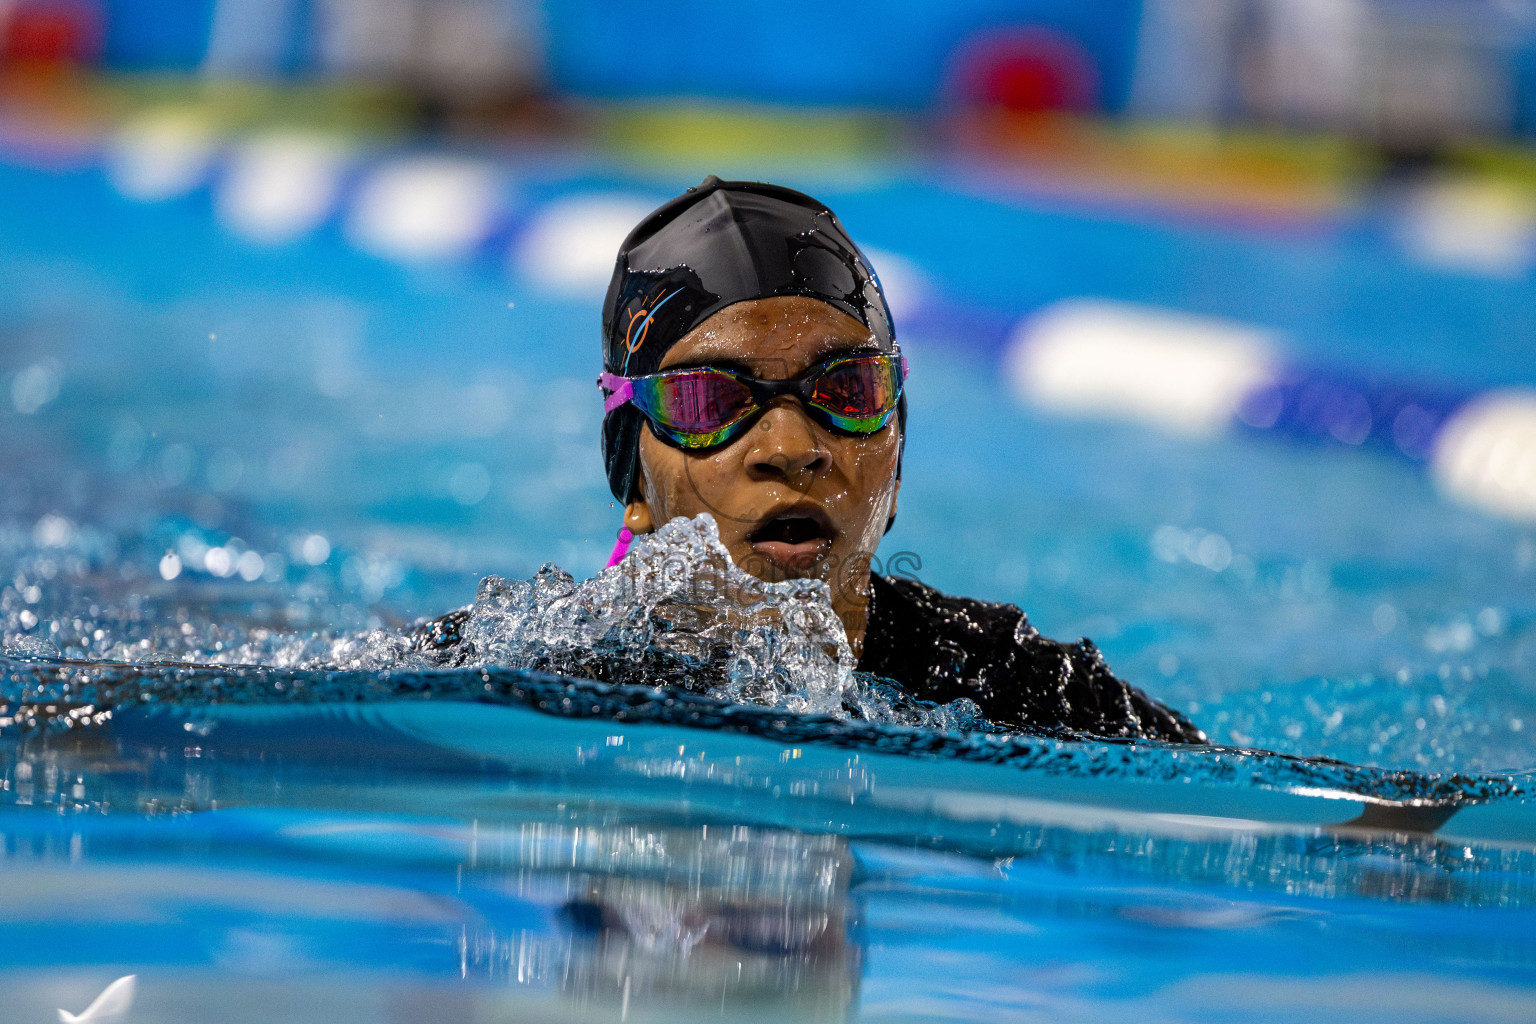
[{"x": 1220, "y": 314}]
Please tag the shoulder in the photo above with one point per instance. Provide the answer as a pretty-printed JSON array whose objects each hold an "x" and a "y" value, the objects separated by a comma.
[
  {"x": 942, "y": 647},
  {"x": 939, "y": 646},
  {"x": 917, "y": 604}
]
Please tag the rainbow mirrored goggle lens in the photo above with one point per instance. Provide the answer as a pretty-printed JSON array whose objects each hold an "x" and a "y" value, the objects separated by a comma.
[{"x": 708, "y": 406}]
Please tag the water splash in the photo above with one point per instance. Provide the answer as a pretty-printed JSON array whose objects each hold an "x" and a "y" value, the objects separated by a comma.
[{"x": 675, "y": 611}]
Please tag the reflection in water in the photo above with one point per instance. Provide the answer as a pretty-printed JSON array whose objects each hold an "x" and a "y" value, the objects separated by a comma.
[
  {"x": 587, "y": 913},
  {"x": 737, "y": 919}
]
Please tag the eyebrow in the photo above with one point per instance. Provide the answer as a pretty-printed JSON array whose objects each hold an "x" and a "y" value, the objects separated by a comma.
[
  {"x": 741, "y": 367},
  {"x": 724, "y": 363}
]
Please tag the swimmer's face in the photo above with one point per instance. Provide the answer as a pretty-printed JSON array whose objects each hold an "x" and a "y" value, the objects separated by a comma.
[{"x": 792, "y": 498}]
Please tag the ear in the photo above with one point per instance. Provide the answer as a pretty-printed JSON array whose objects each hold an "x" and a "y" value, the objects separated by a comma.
[{"x": 638, "y": 518}]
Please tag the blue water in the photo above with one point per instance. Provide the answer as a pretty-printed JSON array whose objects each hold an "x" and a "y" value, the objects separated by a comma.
[{"x": 372, "y": 853}]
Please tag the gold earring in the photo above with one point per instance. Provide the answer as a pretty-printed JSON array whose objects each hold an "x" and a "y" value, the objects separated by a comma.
[{"x": 638, "y": 518}]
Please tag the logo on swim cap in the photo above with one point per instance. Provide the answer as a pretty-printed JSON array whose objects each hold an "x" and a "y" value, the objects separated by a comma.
[{"x": 640, "y": 324}]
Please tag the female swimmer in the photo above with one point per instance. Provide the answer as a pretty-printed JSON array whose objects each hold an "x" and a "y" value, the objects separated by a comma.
[{"x": 751, "y": 372}]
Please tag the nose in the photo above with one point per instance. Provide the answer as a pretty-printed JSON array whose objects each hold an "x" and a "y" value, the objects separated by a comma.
[{"x": 784, "y": 445}]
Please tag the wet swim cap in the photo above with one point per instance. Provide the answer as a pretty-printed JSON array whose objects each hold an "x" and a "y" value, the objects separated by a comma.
[{"x": 717, "y": 244}]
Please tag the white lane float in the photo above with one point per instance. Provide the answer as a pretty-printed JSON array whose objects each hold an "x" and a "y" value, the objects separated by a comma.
[
  {"x": 569, "y": 246},
  {"x": 1468, "y": 224},
  {"x": 160, "y": 155},
  {"x": 426, "y": 208},
  {"x": 280, "y": 186},
  {"x": 1177, "y": 371},
  {"x": 1485, "y": 454},
  {"x": 908, "y": 290}
]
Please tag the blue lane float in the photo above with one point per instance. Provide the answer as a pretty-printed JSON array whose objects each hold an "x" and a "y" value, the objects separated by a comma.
[
  {"x": 1164, "y": 368},
  {"x": 1200, "y": 375}
]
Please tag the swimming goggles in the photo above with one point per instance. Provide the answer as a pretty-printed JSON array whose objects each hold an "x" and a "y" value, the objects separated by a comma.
[{"x": 702, "y": 407}]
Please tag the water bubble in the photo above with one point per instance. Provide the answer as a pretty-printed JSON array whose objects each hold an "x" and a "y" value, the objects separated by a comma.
[
  {"x": 34, "y": 387},
  {"x": 1413, "y": 430},
  {"x": 191, "y": 548},
  {"x": 1168, "y": 542},
  {"x": 126, "y": 447},
  {"x": 315, "y": 549},
  {"x": 1214, "y": 552},
  {"x": 1454, "y": 636},
  {"x": 469, "y": 484},
  {"x": 218, "y": 561},
  {"x": 53, "y": 531},
  {"x": 250, "y": 566},
  {"x": 224, "y": 470},
  {"x": 176, "y": 465},
  {"x": 371, "y": 576},
  {"x": 274, "y": 567},
  {"x": 1347, "y": 416}
]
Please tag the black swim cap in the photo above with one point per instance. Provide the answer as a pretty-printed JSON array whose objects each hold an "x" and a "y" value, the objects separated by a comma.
[{"x": 717, "y": 244}]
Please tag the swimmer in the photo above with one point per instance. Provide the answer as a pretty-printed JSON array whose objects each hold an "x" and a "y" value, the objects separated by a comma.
[{"x": 751, "y": 372}]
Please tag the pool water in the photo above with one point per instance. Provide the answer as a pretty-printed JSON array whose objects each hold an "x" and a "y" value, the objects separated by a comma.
[{"x": 208, "y": 440}]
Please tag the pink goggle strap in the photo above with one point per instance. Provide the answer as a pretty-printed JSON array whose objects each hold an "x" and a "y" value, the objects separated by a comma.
[
  {"x": 622, "y": 388},
  {"x": 621, "y": 548}
]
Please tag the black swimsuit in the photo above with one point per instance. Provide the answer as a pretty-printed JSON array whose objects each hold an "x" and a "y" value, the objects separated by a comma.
[{"x": 940, "y": 648}]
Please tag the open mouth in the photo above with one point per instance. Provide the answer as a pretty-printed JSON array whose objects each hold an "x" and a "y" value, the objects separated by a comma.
[{"x": 793, "y": 538}]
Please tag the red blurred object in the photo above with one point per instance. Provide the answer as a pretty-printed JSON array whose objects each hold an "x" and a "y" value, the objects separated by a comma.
[
  {"x": 51, "y": 33},
  {"x": 1025, "y": 71}
]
